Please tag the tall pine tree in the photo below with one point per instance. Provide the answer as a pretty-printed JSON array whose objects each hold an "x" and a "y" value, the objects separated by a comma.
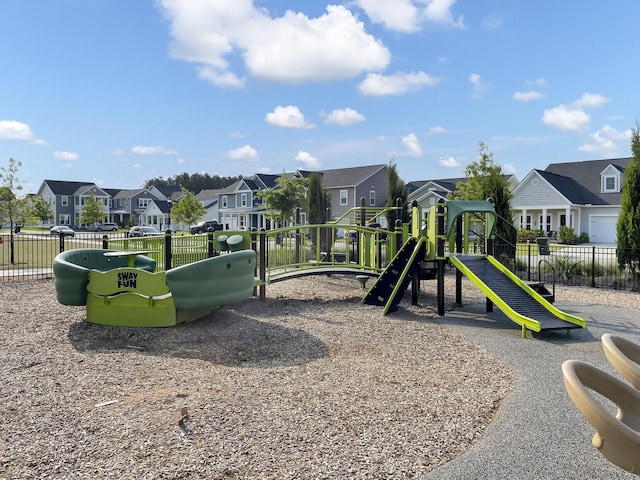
[{"x": 628, "y": 227}]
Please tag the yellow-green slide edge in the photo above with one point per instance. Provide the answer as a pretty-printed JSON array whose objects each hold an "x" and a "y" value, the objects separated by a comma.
[{"x": 525, "y": 322}]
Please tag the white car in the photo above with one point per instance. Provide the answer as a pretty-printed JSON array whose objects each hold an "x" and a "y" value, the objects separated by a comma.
[{"x": 62, "y": 230}]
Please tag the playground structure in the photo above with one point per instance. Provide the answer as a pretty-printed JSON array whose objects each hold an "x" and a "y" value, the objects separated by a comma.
[
  {"x": 461, "y": 234},
  {"x": 617, "y": 436},
  {"x": 122, "y": 287}
]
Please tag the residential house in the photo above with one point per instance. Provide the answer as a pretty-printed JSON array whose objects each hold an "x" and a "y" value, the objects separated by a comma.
[
  {"x": 126, "y": 207},
  {"x": 428, "y": 192},
  {"x": 209, "y": 200},
  {"x": 68, "y": 198},
  {"x": 347, "y": 186},
  {"x": 583, "y": 195}
]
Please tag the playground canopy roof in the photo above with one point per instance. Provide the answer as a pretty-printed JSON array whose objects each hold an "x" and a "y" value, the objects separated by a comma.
[{"x": 455, "y": 208}]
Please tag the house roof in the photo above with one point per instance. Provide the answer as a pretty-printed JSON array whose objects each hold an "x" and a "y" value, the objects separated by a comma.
[
  {"x": 209, "y": 194},
  {"x": 63, "y": 187},
  {"x": 587, "y": 175},
  {"x": 348, "y": 177},
  {"x": 572, "y": 190}
]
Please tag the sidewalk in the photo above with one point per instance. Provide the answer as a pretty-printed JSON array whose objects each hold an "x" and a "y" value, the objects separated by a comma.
[{"x": 538, "y": 432}]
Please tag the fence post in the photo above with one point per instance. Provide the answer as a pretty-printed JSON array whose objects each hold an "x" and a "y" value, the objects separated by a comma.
[
  {"x": 105, "y": 242},
  {"x": 167, "y": 250},
  {"x": 528, "y": 261},
  {"x": 593, "y": 266},
  {"x": 297, "y": 230},
  {"x": 263, "y": 263},
  {"x": 440, "y": 260},
  {"x": 211, "y": 252},
  {"x": 61, "y": 245}
]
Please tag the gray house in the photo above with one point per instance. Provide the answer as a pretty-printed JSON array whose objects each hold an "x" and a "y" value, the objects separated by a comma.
[{"x": 68, "y": 198}]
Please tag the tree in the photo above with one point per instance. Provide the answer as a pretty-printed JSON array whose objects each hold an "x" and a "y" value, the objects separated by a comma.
[
  {"x": 92, "y": 211},
  {"x": 188, "y": 210},
  {"x": 194, "y": 183},
  {"x": 41, "y": 209},
  {"x": 282, "y": 201},
  {"x": 11, "y": 206},
  {"x": 628, "y": 227},
  {"x": 396, "y": 188},
  {"x": 317, "y": 200},
  {"x": 484, "y": 180}
]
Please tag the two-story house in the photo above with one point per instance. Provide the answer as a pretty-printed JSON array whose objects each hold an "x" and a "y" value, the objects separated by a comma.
[
  {"x": 68, "y": 198},
  {"x": 347, "y": 186},
  {"x": 583, "y": 195}
]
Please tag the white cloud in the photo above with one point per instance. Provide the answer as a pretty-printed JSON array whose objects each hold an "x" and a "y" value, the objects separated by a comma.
[
  {"x": 565, "y": 118},
  {"x": 292, "y": 48},
  {"x": 437, "y": 129},
  {"x": 344, "y": 117},
  {"x": 528, "y": 96},
  {"x": 308, "y": 162},
  {"x": 157, "y": 150},
  {"x": 396, "y": 84},
  {"x": 538, "y": 82},
  {"x": 439, "y": 12},
  {"x": 478, "y": 85},
  {"x": 237, "y": 135},
  {"x": 573, "y": 117},
  {"x": 399, "y": 15},
  {"x": 180, "y": 161},
  {"x": 448, "y": 162},
  {"x": 590, "y": 100},
  {"x": 288, "y": 117},
  {"x": 67, "y": 156},
  {"x": 607, "y": 141},
  {"x": 117, "y": 152},
  {"x": 244, "y": 154},
  {"x": 13, "y": 130},
  {"x": 412, "y": 145}
]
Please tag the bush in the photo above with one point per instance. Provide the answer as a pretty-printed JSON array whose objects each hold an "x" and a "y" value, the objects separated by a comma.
[
  {"x": 524, "y": 235},
  {"x": 583, "y": 238},
  {"x": 566, "y": 235}
]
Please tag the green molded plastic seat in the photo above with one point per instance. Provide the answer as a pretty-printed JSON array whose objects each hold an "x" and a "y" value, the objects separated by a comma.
[
  {"x": 235, "y": 243},
  {"x": 136, "y": 297},
  {"x": 71, "y": 271}
]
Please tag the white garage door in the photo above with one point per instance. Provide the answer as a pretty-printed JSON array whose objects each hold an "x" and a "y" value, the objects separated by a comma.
[{"x": 602, "y": 228}]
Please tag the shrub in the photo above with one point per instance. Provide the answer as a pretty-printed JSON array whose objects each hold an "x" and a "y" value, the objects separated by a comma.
[
  {"x": 524, "y": 235},
  {"x": 566, "y": 235},
  {"x": 583, "y": 238}
]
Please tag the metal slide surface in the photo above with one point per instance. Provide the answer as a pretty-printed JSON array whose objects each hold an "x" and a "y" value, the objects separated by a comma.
[{"x": 517, "y": 300}]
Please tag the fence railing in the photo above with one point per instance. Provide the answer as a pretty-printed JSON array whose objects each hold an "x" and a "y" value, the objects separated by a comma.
[{"x": 30, "y": 255}]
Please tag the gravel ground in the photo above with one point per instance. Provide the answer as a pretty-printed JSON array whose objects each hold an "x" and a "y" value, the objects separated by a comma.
[{"x": 307, "y": 384}]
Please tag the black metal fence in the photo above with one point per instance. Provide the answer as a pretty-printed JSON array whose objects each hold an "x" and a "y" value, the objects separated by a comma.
[{"x": 28, "y": 255}]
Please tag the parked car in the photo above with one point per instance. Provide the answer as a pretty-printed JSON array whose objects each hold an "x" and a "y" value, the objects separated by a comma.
[
  {"x": 62, "y": 230},
  {"x": 203, "y": 227},
  {"x": 104, "y": 227},
  {"x": 139, "y": 231}
]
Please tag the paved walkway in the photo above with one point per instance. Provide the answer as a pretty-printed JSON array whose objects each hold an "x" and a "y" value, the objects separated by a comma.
[{"x": 539, "y": 433}]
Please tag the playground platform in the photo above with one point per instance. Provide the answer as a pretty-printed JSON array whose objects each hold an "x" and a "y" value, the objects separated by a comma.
[{"x": 538, "y": 432}]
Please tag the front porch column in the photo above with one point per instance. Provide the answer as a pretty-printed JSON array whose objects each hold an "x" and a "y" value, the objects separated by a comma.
[
  {"x": 544, "y": 226},
  {"x": 523, "y": 221}
]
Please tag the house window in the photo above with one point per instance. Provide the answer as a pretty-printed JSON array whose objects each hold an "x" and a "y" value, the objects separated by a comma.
[
  {"x": 224, "y": 201},
  {"x": 126, "y": 202},
  {"x": 64, "y": 219},
  {"x": 610, "y": 183},
  {"x": 344, "y": 196},
  {"x": 372, "y": 198},
  {"x": 144, "y": 202},
  {"x": 243, "y": 222},
  {"x": 243, "y": 200},
  {"x": 548, "y": 224},
  {"x": 64, "y": 200},
  {"x": 526, "y": 225}
]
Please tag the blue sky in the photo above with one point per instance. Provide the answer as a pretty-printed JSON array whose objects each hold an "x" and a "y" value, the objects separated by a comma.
[{"x": 120, "y": 91}]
